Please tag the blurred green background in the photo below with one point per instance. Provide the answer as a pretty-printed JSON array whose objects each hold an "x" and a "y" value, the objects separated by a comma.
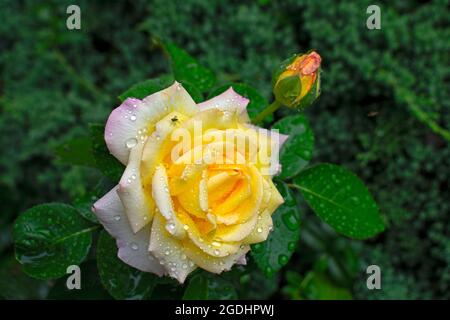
[{"x": 383, "y": 112}]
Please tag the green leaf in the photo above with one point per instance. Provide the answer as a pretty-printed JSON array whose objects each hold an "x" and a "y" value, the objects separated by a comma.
[
  {"x": 76, "y": 152},
  {"x": 145, "y": 88},
  {"x": 193, "y": 91},
  {"x": 108, "y": 165},
  {"x": 51, "y": 237},
  {"x": 187, "y": 69},
  {"x": 205, "y": 286},
  {"x": 119, "y": 279},
  {"x": 340, "y": 198},
  {"x": 297, "y": 150},
  {"x": 91, "y": 286},
  {"x": 274, "y": 253},
  {"x": 84, "y": 206},
  {"x": 257, "y": 101}
]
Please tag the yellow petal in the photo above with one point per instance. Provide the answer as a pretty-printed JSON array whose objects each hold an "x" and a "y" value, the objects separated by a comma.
[
  {"x": 205, "y": 242},
  {"x": 169, "y": 251},
  {"x": 235, "y": 232},
  {"x": 211, "y": 263},
  {"x": 161, "y": 195},
  {"x": 250, "y": 207},
  {"x": 192, "y": 197},
  {"x": 261, "y": 230},
  {"x": 158, "y": 145}
]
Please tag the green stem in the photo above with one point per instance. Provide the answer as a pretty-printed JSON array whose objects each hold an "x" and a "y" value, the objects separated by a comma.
[{"x": 267, "y": 112}]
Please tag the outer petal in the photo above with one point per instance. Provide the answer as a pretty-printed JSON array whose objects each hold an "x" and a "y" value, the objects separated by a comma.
[
  {"x": 130, "y": 121},
  {"x": 132, "y": 247},
  {"x": 138, "y": 206},
  {"x": 210, "y": 247},
  {"x": 236, "y": 232},
  {"x": 210, "y": 263},
  {"x": 261, "y": 231},
  {"x": 269, "y": 143},
  {"x": 169, "y": 251},
  {"x": 228, "y": 100},
  {"x": 264, "y": 224}
]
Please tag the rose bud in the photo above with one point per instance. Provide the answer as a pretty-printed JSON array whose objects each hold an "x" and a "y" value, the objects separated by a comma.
[{"x": 296, "y": 82}]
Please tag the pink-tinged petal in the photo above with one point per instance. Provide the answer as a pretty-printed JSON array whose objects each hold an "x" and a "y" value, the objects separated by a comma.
[
  {"x": 139, "y": 207},
  {"x": 134, "y": 119},
  {"x": 228, "y": 100},
  {"x": 132, "y": 248},
  {"x": 282, "y": 138},
  {"x": 242, "y": 260}
]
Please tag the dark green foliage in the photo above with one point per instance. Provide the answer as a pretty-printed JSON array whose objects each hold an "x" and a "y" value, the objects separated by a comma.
[
  {"x": 383, "y": 111},
  {"x": 206, "y": 286}
]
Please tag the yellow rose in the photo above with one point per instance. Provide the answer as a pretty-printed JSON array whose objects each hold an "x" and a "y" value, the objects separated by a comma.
[{"x": 197, "y": 189}]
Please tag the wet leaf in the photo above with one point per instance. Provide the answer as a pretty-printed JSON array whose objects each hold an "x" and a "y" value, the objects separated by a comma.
[
  {"x": 274, "y": 253},
  {"x": 118, "y": 278},
  {"x": 205, "y": 286},
  {"x": 297, "y": 150},
  {"x": 51, "y": 237},
  {"x": 340, "y": 198}
]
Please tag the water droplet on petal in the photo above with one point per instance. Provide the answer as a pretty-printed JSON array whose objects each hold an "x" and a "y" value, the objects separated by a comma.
[
  {"x": 170, "y": 227},
  {"x": 134, "y": 246},
  {"x": 133, "y": 117},
  {"x": 117, "y": 218}
]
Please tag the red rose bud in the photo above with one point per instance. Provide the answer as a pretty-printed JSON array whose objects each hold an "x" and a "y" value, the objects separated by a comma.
[{"x": 296, "y": 82}]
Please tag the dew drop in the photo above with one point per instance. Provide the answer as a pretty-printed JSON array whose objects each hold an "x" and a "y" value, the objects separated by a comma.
[
  {"x": 216, "y": 244},
  {"x": 170, "y": 226},
  {"x": 133, "y": 117},
  {"x": 291, "y": 246},
  {"x": 117, "y": 218},
  {"x": 186, "y": 227},
  {"x": 291, "y": 221},
  {"x": 259, "y": 230},
  {"x": 282, "y": 260},
  {"x": 216, "y": 252},
  {"x": 134, "y": 246}
]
